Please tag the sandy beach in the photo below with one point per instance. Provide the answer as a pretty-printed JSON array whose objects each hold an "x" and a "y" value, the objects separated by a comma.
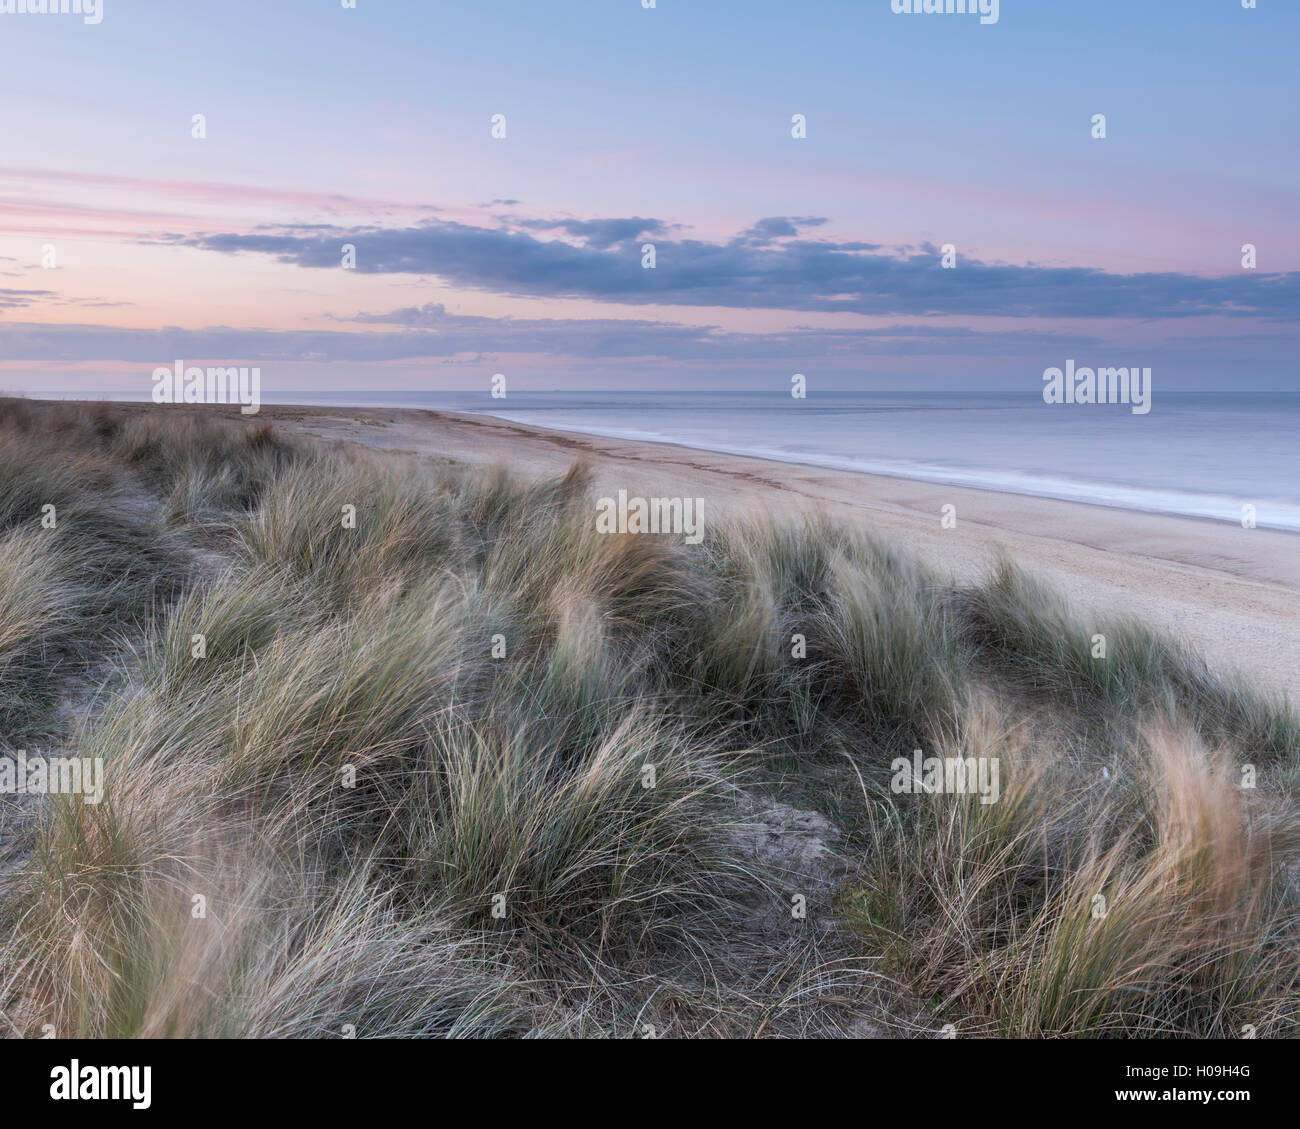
[{"x": 1234, "y": 593}]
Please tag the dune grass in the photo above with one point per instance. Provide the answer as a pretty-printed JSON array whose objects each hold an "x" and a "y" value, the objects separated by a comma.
[
  {"x": 1028, "y": 633},
  {"x": 1149, "y": 901},
  {"x": 397, "y": 749}
]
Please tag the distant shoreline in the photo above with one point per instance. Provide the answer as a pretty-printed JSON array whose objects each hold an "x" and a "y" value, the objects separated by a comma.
[
  {"x": 1136, "y": 499},
  {"x": 1232, "y": 593},
  {"x": 939, "y": 477}
]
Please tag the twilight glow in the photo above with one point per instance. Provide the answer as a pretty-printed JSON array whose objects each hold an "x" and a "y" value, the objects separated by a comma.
[{"x": 134, "y": 231}]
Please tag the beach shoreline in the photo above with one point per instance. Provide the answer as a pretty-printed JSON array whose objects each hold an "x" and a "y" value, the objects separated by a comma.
[{"x": 1232, "y": 593}]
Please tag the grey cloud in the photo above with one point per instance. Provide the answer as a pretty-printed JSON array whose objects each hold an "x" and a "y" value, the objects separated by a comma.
[
  {"x": 17, "y": 299},
  {"x": 431, "y": 332},
  {"x": 753, "y": 272}
]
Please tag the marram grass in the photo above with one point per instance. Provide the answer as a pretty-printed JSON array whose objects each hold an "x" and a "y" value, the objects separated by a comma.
[{"x": 395, "y": 749}]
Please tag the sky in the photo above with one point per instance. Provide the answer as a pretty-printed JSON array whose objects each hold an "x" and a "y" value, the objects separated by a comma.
[{"x": 127, "y": 242}]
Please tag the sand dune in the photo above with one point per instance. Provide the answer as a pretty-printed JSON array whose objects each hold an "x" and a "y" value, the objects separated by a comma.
[{"x": 1233, "y": 593}]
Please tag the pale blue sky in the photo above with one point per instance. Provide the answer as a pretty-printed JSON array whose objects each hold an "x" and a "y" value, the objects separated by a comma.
[{"x": 371, "y": 125}]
